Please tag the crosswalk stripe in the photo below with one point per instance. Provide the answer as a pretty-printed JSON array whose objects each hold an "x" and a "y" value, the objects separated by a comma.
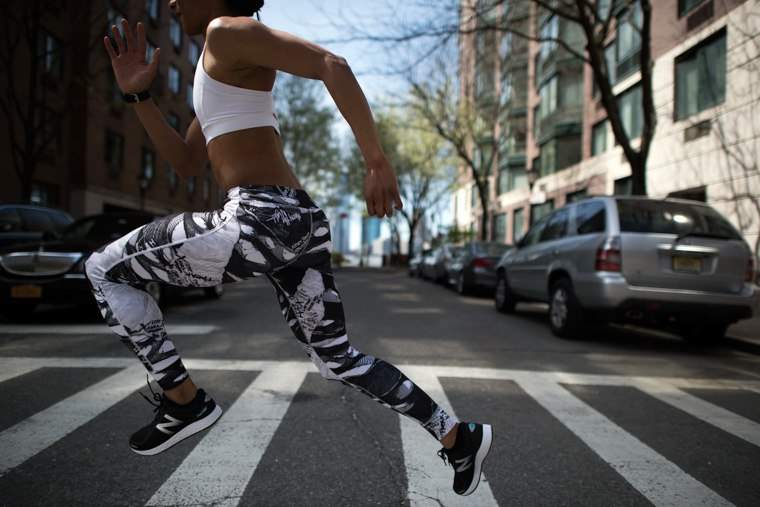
[
  {"x": 171, "y": 329},
  {"x": 38, "y": 432},
  {"x": 429, "y": 480},
  {"x": 659, "y": 480},
  {"x": 717, "y": 416},
  {"x": 218, "y": 469},
  {"x": 9, "y": 370}
]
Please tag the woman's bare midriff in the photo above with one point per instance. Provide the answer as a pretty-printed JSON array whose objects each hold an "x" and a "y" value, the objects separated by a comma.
[{"x": 250, "y": 157}]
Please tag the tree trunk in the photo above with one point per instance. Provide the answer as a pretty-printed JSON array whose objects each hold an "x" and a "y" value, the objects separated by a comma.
[{"x": 638, "y": 176}]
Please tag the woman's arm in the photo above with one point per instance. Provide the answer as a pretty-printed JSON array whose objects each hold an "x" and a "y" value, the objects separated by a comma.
[
  {"x": 244, "y": 41},
  {"x": 133, "y": 74}
]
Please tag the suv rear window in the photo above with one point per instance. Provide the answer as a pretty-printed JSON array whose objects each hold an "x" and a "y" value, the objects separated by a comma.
[
  {"x": 665, "y": 217},
  {"x": 490, "y": 249}
]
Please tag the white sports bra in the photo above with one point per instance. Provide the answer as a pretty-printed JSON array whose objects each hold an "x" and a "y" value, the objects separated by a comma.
[{"x": 222, "y": 108}]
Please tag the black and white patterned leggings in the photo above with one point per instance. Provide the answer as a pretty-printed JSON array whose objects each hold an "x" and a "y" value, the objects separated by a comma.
[{"x": 261, "y": 229}]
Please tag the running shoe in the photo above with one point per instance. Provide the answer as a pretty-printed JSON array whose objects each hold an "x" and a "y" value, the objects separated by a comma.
[
  {"x": 470, "y": 450},
  {"x": 173, "y": 422}
]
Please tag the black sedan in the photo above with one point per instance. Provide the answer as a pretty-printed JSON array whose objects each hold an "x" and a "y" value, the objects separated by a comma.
[
  {"x": 51, "y": 271},
  {"x": 474, "y": 266}
]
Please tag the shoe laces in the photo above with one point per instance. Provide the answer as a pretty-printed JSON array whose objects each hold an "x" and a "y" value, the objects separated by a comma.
[{"x": 157, "y": 397}]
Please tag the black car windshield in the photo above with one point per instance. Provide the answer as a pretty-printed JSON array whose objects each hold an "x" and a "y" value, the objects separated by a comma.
[
  {"x": 490, "y": 249},
  {"x": 104, "y": 227},
  {"x": 667, "y": 217}
]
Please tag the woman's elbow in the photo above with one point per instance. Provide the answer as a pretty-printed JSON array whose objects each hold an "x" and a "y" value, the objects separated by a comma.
[{"x": 334, "y": 66}]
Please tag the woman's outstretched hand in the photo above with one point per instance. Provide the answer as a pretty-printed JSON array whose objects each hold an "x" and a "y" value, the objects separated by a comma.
[
  {"x": 133, "y": 73},
  {"x": 381, "y": 189}
]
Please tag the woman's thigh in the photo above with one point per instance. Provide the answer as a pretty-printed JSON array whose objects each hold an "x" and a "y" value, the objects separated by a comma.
[{"x": 188, "y": 249}]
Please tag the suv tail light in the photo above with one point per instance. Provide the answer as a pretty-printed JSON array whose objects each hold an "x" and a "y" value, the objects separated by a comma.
[
  {"x": 482, "y": 262},
  {"x": 749, "y": 277},
  {"x": 608, "y": 257}
]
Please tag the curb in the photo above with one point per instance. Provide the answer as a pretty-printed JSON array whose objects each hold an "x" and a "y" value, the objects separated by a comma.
[{"x": 752, "y": 347}]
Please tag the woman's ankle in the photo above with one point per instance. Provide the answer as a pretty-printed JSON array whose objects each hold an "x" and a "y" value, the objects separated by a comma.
[
  {"x": 449, "y": 440},
  {"x": 183, "y": 393}
]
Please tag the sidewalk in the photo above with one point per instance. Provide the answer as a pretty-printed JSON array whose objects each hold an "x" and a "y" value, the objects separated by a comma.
[{"x": 745, "y": 335}]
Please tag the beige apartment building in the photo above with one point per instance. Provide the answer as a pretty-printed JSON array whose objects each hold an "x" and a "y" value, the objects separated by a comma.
[
  {"x": 101, "y": 158},
  {"x": 706, "y": 83}
]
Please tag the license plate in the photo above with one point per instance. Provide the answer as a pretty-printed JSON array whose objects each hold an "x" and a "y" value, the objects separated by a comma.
[
  {"x": 689, "y": 264},
  {"x": 26, "y": 291}
]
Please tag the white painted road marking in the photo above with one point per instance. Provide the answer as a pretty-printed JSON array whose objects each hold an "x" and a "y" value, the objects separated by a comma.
[
  {"x": 219, "y": 468},
  {"x": 96, "y": 329},
  {"x": 38, "y": 432},
  {"x": 659, "y": 480},
  {"x": 429, "y": 480}
]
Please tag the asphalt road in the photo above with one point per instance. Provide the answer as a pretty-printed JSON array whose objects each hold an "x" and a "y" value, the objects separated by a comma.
[{"x": 620, "y": 418}]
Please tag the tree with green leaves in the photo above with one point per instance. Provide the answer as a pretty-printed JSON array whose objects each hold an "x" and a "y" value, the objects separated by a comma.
[{"x": 308, "y": 139}]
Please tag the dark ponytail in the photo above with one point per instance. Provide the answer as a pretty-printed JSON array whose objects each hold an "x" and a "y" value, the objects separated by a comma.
[{"x": 245, "y": 7}]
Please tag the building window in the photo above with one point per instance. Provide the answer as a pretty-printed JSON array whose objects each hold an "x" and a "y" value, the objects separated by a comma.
[
  {"x": 576, "y": 196},
  {"x": 51, "y": 54},
  {"x": 500, "y": 227},
  {"x": 206, "y": 187},
  {"x": 548, "y": 94},
  {"x": 686, "y": 6},
  {"x": 173, "y": 120},
  {"x": 114, "y": 152},
  {"x": 474, "y": 197},
  {"x": 518, "y": 224},
  {"x": 536, "y": 125},
  {"x": 193, "y": 52},
  {"x": 549, "y": 30},
  {"x": 631, "y": 113},
  {"x": 175, "y": 33},
  {"x": 548, "y": 157},
  {"x": 628, "y": 41},
  {"x": 190, "y": 186},
  {"x": 174, "y": 79},
  {"x": 189, "y": 97},
  {"x": 701, "y": 77},
  {"x": 153, "y": 9},
  {"x": 148, "y": 164},
  {"x": 624, "y": 186},
  {"x": 599, "y": 138},
  {"x": 171, "y": 176},
  {"x": 539, "y": 211},
  {"x": 42, "y": 194}
]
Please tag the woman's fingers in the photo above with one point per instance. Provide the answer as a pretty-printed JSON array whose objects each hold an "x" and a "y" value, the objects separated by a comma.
[
  {"x": 119, "y": 41},
  {"x": 130, "y": 35},
  {"x": 109, "y": 47},
  {"x": 141, "y": 38}
]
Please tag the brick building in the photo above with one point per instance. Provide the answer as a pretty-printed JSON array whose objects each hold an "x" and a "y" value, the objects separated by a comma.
[
  {"x": 707, "y": 141},
  {"x": 99, "y": 158}
]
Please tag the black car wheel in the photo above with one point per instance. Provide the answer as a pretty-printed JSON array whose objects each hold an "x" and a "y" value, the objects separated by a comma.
[
  {"x": 504, "y": 299},
  {"x": 214, "y": 292},
  {"x": 462, "y": 287},
  {"x": 565, "y": 310}
]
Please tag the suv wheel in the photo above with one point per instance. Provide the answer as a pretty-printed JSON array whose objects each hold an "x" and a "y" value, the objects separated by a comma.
[
  {"x": 704, "y": 333},
  {"x": 504, "y": 299},
  {"x": 564, "y": 310},
  {"x": 462, "y": 287}
]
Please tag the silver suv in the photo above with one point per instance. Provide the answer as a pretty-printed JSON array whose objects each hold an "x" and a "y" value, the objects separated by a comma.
[{"x": 665, "y": 263}]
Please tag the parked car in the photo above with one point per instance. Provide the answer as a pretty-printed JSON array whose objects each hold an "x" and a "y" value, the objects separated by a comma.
[
  {"x": 22, "y": 223},
  {"x": 52, "y": 271},
  {"x": 415, "y": 262},
  {"x": 474, "y": 266},
  {"x": 428, "y": 259},
  {"x": 434, "y": 268},
  {"x": 671, "y": 262}
]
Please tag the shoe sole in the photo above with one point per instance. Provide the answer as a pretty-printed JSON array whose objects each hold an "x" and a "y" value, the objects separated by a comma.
[
  {"x": 187, "y": 431},
  {"x": 480, "y": 456}
]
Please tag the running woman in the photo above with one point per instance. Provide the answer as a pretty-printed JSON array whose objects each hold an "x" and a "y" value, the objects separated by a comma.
[{"x": 268, "y": 224}]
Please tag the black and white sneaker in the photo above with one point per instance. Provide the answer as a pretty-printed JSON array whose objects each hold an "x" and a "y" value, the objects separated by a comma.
[
  {"x": 173, "y": 422},
  {"x": 470, "y": 450}
]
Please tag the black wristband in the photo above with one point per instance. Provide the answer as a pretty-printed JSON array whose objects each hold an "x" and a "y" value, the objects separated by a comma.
[{"x": 136, "y": 97}]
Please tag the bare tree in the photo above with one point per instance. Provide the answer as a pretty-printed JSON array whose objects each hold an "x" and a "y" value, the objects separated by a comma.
[
  {"x": 597, "y": 20},
  {"x": 33, "y": 62}
]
